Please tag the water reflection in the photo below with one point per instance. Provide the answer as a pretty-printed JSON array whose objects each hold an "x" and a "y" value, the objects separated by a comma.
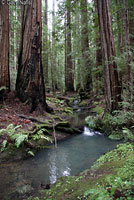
[
  {"x": 52, "y": 167},
  {"x": 59, "y": 164}
]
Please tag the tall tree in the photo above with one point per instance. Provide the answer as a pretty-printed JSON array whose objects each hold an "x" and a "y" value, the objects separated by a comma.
[
  {"x": 53, "y": 52},
  {"x": 46, "y": 43},
  {"x": 120, "y": 36},
  {"x": 12, "y": 46},
  {"x": 4, "y": 46},
  {"x": 30, "y": 81},
  {"x": 111, "y": 82},
  {"x": 98, "y": 71},
  {"x": 69, "y": 76},
  {"x": 127, "y": 44},
  {"x": 131, "y": 26},
  {"x": 77, "y": 46},
  {"x": 85, "y": 62}
]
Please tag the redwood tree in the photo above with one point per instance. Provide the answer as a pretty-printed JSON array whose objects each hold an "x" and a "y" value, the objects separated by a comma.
[
  {"x": 85, "y": 62},
  {"x": 30, "y": 81},
  {"x": 46, "y": 43},
  {"x": 127, "y": 45},
  {"x": 69, "y": 76},
  {"x": 4, "y": 46},
  {"x": 111, "y": 82}
]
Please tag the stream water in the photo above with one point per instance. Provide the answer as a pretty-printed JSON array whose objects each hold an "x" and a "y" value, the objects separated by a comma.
[{"x": 72, "y": 156}]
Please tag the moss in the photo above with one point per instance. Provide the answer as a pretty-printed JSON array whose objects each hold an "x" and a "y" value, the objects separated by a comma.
[
  {"x": 68, "y": 110},
  {"x": 63, "y": 124},
  {"x": 45, "y": 125}
]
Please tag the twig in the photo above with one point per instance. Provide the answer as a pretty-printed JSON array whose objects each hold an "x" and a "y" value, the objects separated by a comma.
[{"x": 54, "y": 134}]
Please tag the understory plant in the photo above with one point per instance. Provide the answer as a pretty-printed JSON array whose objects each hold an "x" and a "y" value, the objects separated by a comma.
[
  {"x": 117, "y": 125},
  {"x": 11, "y": 135}
]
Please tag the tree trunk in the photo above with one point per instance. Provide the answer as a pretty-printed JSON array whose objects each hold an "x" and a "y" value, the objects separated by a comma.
[
  {"x": 98, "y": 75},
  {"x": 127, "y": 45},
  {"x": 30, "y": 81},
  {"x": 85, "y": 62},
  {"x": 53, "y": 52},
  {"x": 120, "y": 36},
  {"x": 131, "y": 30},
  {"x": 46, "y": 43},
  {"x": 4, "y": 46},
  {"x": 111, "y": 82},
  {"x": 69, "y": 63},
  {"x": 77, "y": 47},
  {"x": 12, "y": 63}
]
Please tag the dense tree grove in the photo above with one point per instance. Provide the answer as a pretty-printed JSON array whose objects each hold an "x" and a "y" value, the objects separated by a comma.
[
  {"x": 77, "y": 46},
  {"x": 66, "y": 71}
]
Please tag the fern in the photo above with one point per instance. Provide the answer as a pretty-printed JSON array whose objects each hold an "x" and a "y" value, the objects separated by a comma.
[
  {"x": 40, "y": 135},
  {"x": 3, "y": 131},
  {"x": 19, "y": 139},
  {"x": 4, "y": 143},
  {"x": 10, "y": 126},
  {"x": 46, "y": 138},
  {"x": 41, "y": 131},
  {"x": 30, "y": 153},
  {"x": 10, "y": 130}
]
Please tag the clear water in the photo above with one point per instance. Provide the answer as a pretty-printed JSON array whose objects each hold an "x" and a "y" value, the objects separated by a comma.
[{"x": 72, "y": 156}]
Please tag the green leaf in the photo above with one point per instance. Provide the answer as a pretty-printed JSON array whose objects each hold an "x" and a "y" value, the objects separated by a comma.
[
  {"x": 31, "y": 153},
  {"x": 3, "y": 131},
  {"x": 10, "y": 126},
  {"x": 4, "y": 143},
  {"x": 19, "y": 139},
  {"x": 46, "y": 138}
]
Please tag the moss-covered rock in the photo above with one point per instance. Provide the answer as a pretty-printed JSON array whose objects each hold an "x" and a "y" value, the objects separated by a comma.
[{"x": 65, "y": 124}]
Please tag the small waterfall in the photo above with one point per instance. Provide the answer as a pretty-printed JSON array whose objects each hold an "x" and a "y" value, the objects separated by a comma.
[{"x": 89, "y": 132}]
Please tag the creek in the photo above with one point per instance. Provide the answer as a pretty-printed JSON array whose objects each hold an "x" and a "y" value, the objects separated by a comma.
[{"x": 72, "y": 156}]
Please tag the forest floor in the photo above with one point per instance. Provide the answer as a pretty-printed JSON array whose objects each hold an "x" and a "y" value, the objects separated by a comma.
[{"x": 12, "y": 110}]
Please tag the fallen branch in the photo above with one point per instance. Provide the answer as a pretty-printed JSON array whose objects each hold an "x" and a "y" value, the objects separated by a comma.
[{"x": 54, "y": 134}]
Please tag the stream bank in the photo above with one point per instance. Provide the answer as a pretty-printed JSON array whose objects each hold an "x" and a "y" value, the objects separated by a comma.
[{"x": 111, "y": 177}]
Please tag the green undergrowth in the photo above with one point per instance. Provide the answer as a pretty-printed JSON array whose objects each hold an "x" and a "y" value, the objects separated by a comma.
[
  {"x": 15, "y": 137},
  {"x": 38, "y": 137},
  {"x": 118, "y": 125},
  {"x": 111, "y": 177},
  {"x": 61, "y": 104}
]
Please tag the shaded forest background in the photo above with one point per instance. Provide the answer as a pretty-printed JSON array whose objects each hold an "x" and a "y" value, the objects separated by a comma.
[{"x": 87, "y": 48}]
